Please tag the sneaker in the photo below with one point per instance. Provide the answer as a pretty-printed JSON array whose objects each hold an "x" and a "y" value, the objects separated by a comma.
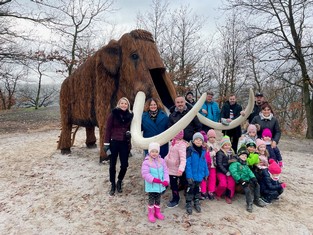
[
  {"x": 202, "y": 196},
  {"x": 259, "y": 202},
  {"x": 265, "y": 201},
  {"x": 228, "y": 200},
  {"x": 172, "y": 204},
  {"x": 211, "y": 196}
]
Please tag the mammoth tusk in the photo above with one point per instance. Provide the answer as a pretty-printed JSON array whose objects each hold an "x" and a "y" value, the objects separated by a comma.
[
  {"x": 139, "y": 141},
  {"x": 234, "y": 123}
]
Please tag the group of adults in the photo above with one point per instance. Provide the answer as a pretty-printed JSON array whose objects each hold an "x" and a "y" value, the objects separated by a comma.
[{"x": 155, "y": 121}]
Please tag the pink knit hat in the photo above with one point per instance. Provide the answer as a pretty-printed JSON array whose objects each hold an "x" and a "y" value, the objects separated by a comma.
[
  {"x": 211, "y": 133},
  {"x": 260, "y": 142},
  {"x": 205, "y": 137},
  {"x": 179, "y": 135},
  {"x": 273, "y": 167},
  {"x": 267, "y": 133},
  {"x": 251, "y": 128}
]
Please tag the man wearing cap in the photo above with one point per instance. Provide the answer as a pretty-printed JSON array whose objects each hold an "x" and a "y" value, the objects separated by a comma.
[
  {"x": 259, "y": 100},
  {"x": 230, "y": 111},
  {"x": 190, "y": 98},
  {"x": 210, "y": 110}
]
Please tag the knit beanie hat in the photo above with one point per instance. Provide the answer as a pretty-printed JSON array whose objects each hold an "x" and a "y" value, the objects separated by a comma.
[
  {"x": 250, "y": 143},
  {"x": 205, "y": 137},
  {"x": 211, "y": 133},
  {"x": 225, "y": 140},
  {"x": 267, "y": 133},
  {"x": 251, "y": 128},
  {"x": 273, "y": 167},
  {"x": 197, "y": 135},
  {"x": 154, "y": 146},
  {"x": 242, "y": 150},
  {"x": 260, "y": 142},
  {"x": 179, "y": 135}
]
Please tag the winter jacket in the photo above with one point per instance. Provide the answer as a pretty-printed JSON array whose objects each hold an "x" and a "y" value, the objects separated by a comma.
[
  {"x": 274, "y": 153},
  {"x": 117, "y": 124},
  {"x": 240, "y": 171},
  {"x": 196, "y": 166},
  {"x": 223, "y": 160},
  {"x": 211, "y": 147},
  {"x": 225, "y": 113},
  {"x": 244, "y": 139},
  {"x": 151, "y": 128},
  {"x": 193, "y": 127},
  {"x": 267, "y": 184},
  {"x": 154, "y": 168},
  {"x": 212, "y": 109},
  {"x": 176, "y": 158},
  {"x": 253, "y": 159},
  {"x": 271, "y": 124}
]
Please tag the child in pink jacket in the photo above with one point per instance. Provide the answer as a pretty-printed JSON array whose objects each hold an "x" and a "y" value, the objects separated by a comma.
[{"x": 176, "y": 163}]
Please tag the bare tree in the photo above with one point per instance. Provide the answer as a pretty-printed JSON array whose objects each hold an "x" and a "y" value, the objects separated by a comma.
[
  {"x": 287, "y": 26},
  {"x": 73, "y": 21}
]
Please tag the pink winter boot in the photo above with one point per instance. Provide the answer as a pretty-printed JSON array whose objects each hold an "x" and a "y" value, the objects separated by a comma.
[
  {"x": 157, "y": 213},
  {"x": 151, "y": 214}
]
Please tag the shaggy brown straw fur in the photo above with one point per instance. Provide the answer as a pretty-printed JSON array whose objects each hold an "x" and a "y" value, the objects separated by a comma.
[{"x": 121, "y": 68}]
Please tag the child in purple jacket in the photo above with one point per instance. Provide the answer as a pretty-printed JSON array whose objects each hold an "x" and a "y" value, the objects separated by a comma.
[{"x": 155, "y": 173}]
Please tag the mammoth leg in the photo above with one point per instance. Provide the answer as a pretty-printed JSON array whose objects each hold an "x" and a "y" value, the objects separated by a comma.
[
  {"x": 91, "y": 137},
  {"x": 65, "y": 139}
]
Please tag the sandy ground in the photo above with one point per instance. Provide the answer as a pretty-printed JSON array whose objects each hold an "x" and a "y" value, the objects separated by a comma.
[{"x": 44, "y": 192}]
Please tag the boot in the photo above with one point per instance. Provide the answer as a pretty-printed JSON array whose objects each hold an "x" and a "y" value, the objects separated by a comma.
[
  {"x": 157, "y": 213},
  {"x": 151, "y": 217},
  {"x": 189, "y": 208},
  {"x": 119, "y": 186},
  {"x": 249, "y": 207},
  {"x": 112, "y": 191},
  {"x": 197, "y": 206}
]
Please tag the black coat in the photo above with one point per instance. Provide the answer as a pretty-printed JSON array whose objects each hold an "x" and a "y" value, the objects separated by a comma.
[
  {"x": 193, "y": 127},
  {"x": 223, "y": 161},
  {"x": 225, "y": 112},
  {"x": 267, "y": 184}
]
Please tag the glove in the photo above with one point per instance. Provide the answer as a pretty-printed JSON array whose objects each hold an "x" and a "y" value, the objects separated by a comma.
[
  {"x": 128, "y": 135},
  {"x": 224, "y": 122},
  {"x": 283, "y": 185},
  {"x": 179, "y": 173},
  {"x": 106, "y": 147},
  {"x": 165, "y": 183},
  {"x": 227, "y": 173},
  {"x": 190, "y": 181},
  {"x": 281, "y": 164},
  {"x": 156, "y": 180}
]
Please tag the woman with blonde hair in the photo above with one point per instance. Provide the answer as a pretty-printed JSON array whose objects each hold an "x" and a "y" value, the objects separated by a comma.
[{"x": 116, "y": 141}]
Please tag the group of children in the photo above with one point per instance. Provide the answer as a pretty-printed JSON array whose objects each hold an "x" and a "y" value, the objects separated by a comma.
[{"x": 213, "y": 170}]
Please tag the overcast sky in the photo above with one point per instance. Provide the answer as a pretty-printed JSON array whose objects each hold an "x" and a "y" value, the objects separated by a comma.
[{"x": 128, "y": 9}]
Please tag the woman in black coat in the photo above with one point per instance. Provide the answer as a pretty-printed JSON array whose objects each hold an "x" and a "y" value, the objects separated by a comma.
[{"x": 116, "y": 141}]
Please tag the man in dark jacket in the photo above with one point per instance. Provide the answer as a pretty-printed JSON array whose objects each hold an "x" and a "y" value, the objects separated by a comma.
[
  {"x": 178, "y": 112},
  {"x": 259, "y": 100},
  {"x": 230, "y": 111}
]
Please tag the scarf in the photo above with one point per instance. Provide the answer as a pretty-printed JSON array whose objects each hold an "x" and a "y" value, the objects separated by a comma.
[{"x": 153, "y": 114}]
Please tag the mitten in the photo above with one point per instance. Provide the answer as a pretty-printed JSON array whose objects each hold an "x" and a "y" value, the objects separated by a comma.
[
  {"x": 165, "y": 183},
  {"x": 156, "y": 180},
  {"x": 281, "y": 164},
  {"x": 106, "y": 147},
  {"x": 283, "y": 185},
  {"x": 227, "y": 173},
  {"x": 190, "y": 181}
]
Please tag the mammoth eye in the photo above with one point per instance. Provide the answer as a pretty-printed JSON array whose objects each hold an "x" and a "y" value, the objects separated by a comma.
[{"x": 135, "y": 56}]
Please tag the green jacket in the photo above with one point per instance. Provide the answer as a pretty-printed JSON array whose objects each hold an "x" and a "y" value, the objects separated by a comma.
[
  {"x": 240, "y": 171},
  {"x": 253, "y": 159}
]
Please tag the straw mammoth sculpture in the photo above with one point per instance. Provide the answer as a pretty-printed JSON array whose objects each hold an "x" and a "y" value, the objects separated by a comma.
[{"x": 128, "y": 67}]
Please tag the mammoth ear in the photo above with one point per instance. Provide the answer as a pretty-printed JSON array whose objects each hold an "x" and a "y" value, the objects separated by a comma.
[{"x": 109, "y": 58}]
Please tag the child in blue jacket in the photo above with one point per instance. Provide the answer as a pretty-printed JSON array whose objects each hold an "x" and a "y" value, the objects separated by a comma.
[{"x": 196, "y": 171}]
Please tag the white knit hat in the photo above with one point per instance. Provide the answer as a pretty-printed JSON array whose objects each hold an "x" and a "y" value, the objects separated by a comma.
[{"x": 155, "y": 146}]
